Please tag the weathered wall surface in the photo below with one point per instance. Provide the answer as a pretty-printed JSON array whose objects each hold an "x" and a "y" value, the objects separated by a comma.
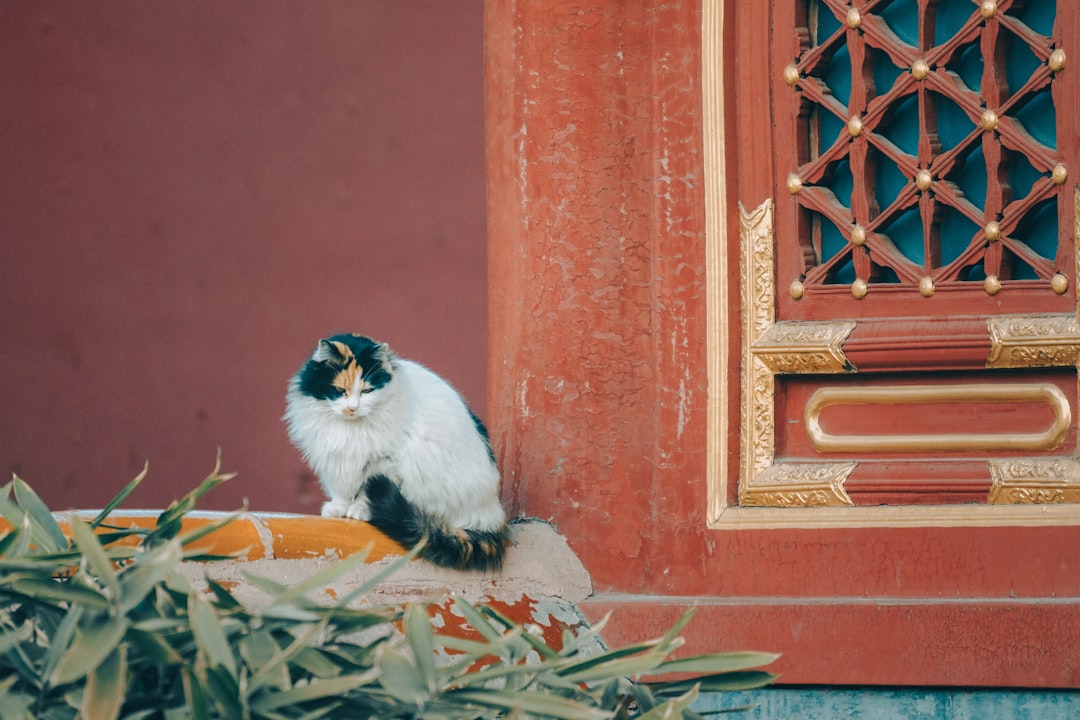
[
  {"x": 191, "y": 194},
  {"x": 597, "y": 324},
  {"x": 598, "y": 384}
]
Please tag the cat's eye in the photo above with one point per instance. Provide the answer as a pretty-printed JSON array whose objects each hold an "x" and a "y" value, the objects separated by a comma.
[{"x": 366, "y": 390}]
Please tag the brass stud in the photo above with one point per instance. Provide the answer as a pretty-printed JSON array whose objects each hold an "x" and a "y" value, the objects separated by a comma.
[
  {"x": 855, "y": 126},
  {"x": 988, "y": 9},
  {"x": 992, "y": 231},
  {"x": 1059, "y": 283},
  {"x": 797, "y": 289},
  {"x": 794, "y": 184},
  {"x": 854, "y": 18},
  {"x": 926, "y": 286},
  {"x": 791, "y": 75},
  {"x": 858, "y": 235},
  {"x": 858, "y": 289},
  {"x": 991, "y": 285},
  {"x": 919, "y": 69},
  {"x": 1060, "y": 174},
  {"x": 1057, "y": 60},
  {"x": 923, "y": 180},
  {"x": 989, "y": 120}
]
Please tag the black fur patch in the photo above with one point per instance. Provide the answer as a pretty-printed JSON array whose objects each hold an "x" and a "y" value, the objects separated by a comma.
[
  {"x": 480, "y": 428},
  {"x": 317, "y": 376},
  {"x": 403, "y": 522}
]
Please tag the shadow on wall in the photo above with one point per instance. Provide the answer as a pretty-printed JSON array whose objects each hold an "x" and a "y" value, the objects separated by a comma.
[{"x": 192, "y": 194}]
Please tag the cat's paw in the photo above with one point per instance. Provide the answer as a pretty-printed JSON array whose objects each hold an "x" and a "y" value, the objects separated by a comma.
[
  {"x": 335, "y": 508},
  {"x": 359, "y": 510}
]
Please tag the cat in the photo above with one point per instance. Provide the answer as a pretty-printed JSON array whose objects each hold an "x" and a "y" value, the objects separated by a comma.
[{"x": 393, "y": 444}]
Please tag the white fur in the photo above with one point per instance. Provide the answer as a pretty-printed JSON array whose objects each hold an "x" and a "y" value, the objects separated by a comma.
[{"x": 416, "y": 430}]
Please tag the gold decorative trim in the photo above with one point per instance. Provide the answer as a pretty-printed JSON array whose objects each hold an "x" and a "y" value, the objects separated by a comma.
[
  {"x": 719, "y": 296},
  {"x": 1033, "y": 341},
  {"x": 771, "y": 348},
  {"x": 758, "y": 387},
  {"x": 1034, "y": 481},
  {"x": 805, "y": 347},
  {"x": 1046, "y": 439},
  {"x": 799, "y": 485}
]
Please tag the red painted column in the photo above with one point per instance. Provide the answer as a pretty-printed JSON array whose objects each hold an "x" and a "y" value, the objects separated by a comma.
[{"x": 596, "y": 277}]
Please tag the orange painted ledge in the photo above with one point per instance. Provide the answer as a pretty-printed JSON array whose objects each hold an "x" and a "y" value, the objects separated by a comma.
[{"x": 261, "y": 536}]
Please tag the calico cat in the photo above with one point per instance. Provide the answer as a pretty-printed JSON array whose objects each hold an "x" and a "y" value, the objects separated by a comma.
[{"x": 395, "y": 445}]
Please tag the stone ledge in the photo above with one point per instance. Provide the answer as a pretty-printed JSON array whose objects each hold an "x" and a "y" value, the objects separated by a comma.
[{"x": 541, "y": 583}]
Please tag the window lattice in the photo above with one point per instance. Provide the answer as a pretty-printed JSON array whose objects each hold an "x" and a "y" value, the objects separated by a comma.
[{"x": 927, "y": 147}]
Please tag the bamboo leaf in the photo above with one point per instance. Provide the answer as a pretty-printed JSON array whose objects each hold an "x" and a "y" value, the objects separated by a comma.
[
  {"x": 546, "y": 705},
  {"x": 672, "y": 708},
  {"x": 477, "y": 621},
  {"x": 62, "y": 591},
  {"x": 718, "y": 663},
  {"x": 400, "y": 677},
  {"x": 315, "y": 690},
  {"x": 724, "y": 682},
  {"x": 106, "y": 687},
  {"x": 322, "y": 578},
  {"x": 418, "y": 633},
  {"x": 119, "y": 498},
  {"x": 150, "y": 568},
  {"x": 209, "y": 635},
  {"x": 93, "y": 642},
  {"x": 61, "y": 640},
  {"x": 49, "y": 537},
  {"x": 16, "y": 543},
  {"x": 96, "y": 559}
]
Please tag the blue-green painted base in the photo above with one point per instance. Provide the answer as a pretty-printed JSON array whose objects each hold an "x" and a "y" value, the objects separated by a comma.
[{"x": 826, "y": 703}]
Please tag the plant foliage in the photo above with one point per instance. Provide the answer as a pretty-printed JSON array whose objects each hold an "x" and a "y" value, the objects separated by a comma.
[{"x": 99, "y": 623}]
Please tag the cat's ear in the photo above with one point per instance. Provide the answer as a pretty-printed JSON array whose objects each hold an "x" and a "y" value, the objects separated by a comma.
[
  {"x": 385, "y": 355},
  {"x": 325, "y": 351}
]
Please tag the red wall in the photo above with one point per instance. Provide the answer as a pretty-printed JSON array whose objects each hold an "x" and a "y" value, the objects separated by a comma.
[
  {"x": 598, "y": 388},
  {"x": 191, "y": 194}
]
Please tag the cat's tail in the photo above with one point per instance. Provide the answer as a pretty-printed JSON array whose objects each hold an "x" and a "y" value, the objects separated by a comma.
[{"x": 407, "y": 524}]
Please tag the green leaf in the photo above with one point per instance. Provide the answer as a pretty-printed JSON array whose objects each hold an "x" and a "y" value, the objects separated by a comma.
[
  {"x": 61, "y": 640},
  {"x": 16, "y": 542},
  {"x": 400, "y": 677},
  {"x": 724, "y": 682},
  {"x": 315, "y": 690},
  {"x": 99, "y": 563},
  {"x": 268, "y": 662},
  {"x": 322, "y": 578},
  {"x": 718, "y": 662},
  {"x": 62, "y": 590},
  {"x": 48, "y": 537},
  {"x": 418, "y": 633},
  {"x": 119, "y": 498},
  {"x": 209, "y": 635},
  {"x": 149, "y": 569},
  {"x": 624, "y": 666},
  {"x": 672, "y": 708},
  {"x": 106, "y": 687},
  {"x": 93, "y": 642},
  {"x": 154, "y": 647},
  {"x": 477, "y": 621},
  {"x": 545, "y": 705}
]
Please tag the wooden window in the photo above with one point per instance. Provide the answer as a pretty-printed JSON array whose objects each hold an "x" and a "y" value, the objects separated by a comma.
[{"x": 906, "y": 231}]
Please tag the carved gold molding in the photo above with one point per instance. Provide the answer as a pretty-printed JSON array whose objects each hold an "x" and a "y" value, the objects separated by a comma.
[
  {"x": 885, "y": 396},
  {"x": 799, "y": 485},
  {"x": 805, "y": 347},
  {"x": 772, "y": 348},
  {"x": 1033, "y": 342},
  {"x": 1034, "y": 481}
]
